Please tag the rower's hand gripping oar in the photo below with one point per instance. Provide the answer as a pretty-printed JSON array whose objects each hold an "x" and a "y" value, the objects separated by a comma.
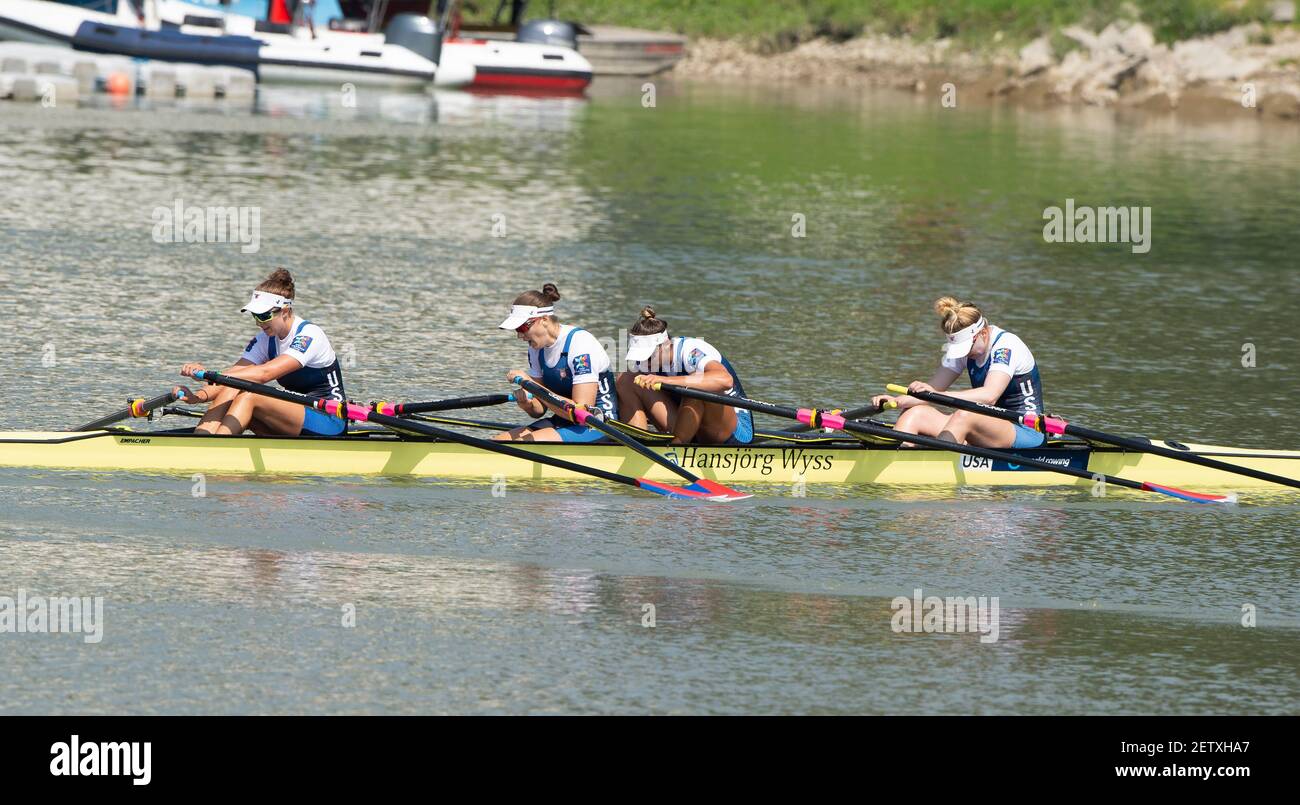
[
  {"x": 1051, "y": 424},
  {"x": 816, "y": 418},
  {"x": 137, "y": 408},
  {"x": 596, "y": 419},
  {"x": 362, "y": 414}
]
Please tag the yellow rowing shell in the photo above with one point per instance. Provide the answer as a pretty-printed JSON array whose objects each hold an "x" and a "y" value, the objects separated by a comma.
[{"x": 839, "y": 462}]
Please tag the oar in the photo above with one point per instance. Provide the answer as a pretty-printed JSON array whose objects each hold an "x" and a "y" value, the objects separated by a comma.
[
  {"x": 816, "y": 418},
  {"x": 1051, "y": 424},
  {"x": 596, "y": 420},
  {"x": 481, "y": 424},
  {"x": 362, "y": 414},
  {"x": 455, "y": 403},
  {"x": 138, "y": 408},
  {"x": 852, "y": 413}
]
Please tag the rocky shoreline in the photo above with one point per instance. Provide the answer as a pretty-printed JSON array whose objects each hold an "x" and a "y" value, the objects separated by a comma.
[{"x": 1252, "y": 69}]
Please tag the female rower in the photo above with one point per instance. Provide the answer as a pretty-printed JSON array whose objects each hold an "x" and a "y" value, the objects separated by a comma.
[
  {"x": 565, "y": 360},
  {"x": 288, "y": 350},
  {"x": 1002, "y": 373},
  {"x": 689, "y": 362}
]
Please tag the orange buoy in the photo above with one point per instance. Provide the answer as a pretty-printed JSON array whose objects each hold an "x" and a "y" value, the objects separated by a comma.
[{"x": 117, "y": 84}]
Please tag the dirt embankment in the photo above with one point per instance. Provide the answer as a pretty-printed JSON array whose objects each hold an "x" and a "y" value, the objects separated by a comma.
[{"x": 1249, "y": 68}]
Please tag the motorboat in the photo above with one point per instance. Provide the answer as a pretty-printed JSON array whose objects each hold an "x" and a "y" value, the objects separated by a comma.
[{"x": 405, "y": 53}]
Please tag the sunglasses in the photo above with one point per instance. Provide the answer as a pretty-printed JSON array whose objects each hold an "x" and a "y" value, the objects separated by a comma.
[
  {"x": 263, "y": 318},
  {"x": 525, "y": 327}
]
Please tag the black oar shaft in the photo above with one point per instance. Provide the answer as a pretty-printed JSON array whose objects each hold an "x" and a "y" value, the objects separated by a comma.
[
  {"x": 599, "y": 424},
  {"x": 872, "y": 429},
  {"x": 138, "y": 408},
  {"x": 456, "y": 403},
  {"x": 1056, "y": 425},
  {"x": 417, "y": 427}
]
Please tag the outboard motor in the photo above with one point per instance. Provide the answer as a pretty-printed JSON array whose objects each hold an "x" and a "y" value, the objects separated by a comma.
[
  {"x": 549, "y": 32},
  {"x": 416, "y": 33}
]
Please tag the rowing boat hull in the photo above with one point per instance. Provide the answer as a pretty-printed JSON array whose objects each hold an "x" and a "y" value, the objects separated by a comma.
[{"x": 383, "y": 455}]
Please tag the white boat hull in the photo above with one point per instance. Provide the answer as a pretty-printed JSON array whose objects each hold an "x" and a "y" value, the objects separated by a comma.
[
  {"x": 517, "y": 66},
  {"x": 329, "y": 58}
]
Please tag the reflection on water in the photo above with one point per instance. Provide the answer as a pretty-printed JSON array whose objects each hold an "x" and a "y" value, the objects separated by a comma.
[
  {"x": 263, "y": 631},
  {"x": 411, "y": 220}
]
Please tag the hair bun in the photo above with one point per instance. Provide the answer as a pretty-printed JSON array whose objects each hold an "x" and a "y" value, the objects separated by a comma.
[
  {"x": 551, "y": 292},
  {"x": 946, "y": 305},
  {"x": 647, "y": 312},
  {"x": 279, "y": 282}
]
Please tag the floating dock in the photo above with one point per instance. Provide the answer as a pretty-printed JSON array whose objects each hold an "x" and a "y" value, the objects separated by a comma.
[{"x": 55, "y": 75}]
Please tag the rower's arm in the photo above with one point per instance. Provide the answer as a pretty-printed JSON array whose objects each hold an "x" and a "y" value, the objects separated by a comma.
[
  {"x": 943, "y": 377},
  {"x": 210, "y": 390},
  {"x": 584, "y": 394},
  {"x": 989, "y": 393},
  {"x": 714, "y": 378},
  {"x": 264, "y": 372}
]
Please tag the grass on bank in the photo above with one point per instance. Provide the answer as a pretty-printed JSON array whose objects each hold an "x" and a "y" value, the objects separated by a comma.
[{"x": 781, "y": 24}]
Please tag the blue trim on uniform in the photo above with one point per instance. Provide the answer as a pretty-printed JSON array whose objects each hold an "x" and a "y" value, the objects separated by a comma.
[
  {"x": 569, "y": 431},
  {"x": 1027, "y": 438},
  {"x": 1023, "y": 393},
  {"x": 744, "y": 432},
  {"x": 319, "y": 383},
  {"x": 317, "y": 423},
  {"x": 558, "y": 379}
]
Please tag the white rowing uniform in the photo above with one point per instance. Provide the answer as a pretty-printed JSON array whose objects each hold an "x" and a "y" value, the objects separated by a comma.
[
  {"x": 575, "y": 359},
  {"x": 1009, "y": 355},
  {"x": 320, "y": 375},
  {"x": 692, "y": 356}
]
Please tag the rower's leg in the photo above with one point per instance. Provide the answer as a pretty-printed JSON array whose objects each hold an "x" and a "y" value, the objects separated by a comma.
[
  {"x": 526, "y": 433},
  {"x": 541, "y": 435},
  {"x": 981, "y": 431},
  {"x": 217, "y": 407},
  {"x": 690, "y": 415},
  {"x": 276, "y": 417},
  {"x": 631, "y": 408},
  {"x": 238, "y": 414},
  {"x": 642, "y": 407},
  {"x": 513, "y": 435},
  {"x": 923, "y": 420},
  {"x": 718, "y": 425}
]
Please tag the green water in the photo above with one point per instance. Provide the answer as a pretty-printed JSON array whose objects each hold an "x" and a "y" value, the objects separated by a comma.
[{"x": 234, "y": 602}]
